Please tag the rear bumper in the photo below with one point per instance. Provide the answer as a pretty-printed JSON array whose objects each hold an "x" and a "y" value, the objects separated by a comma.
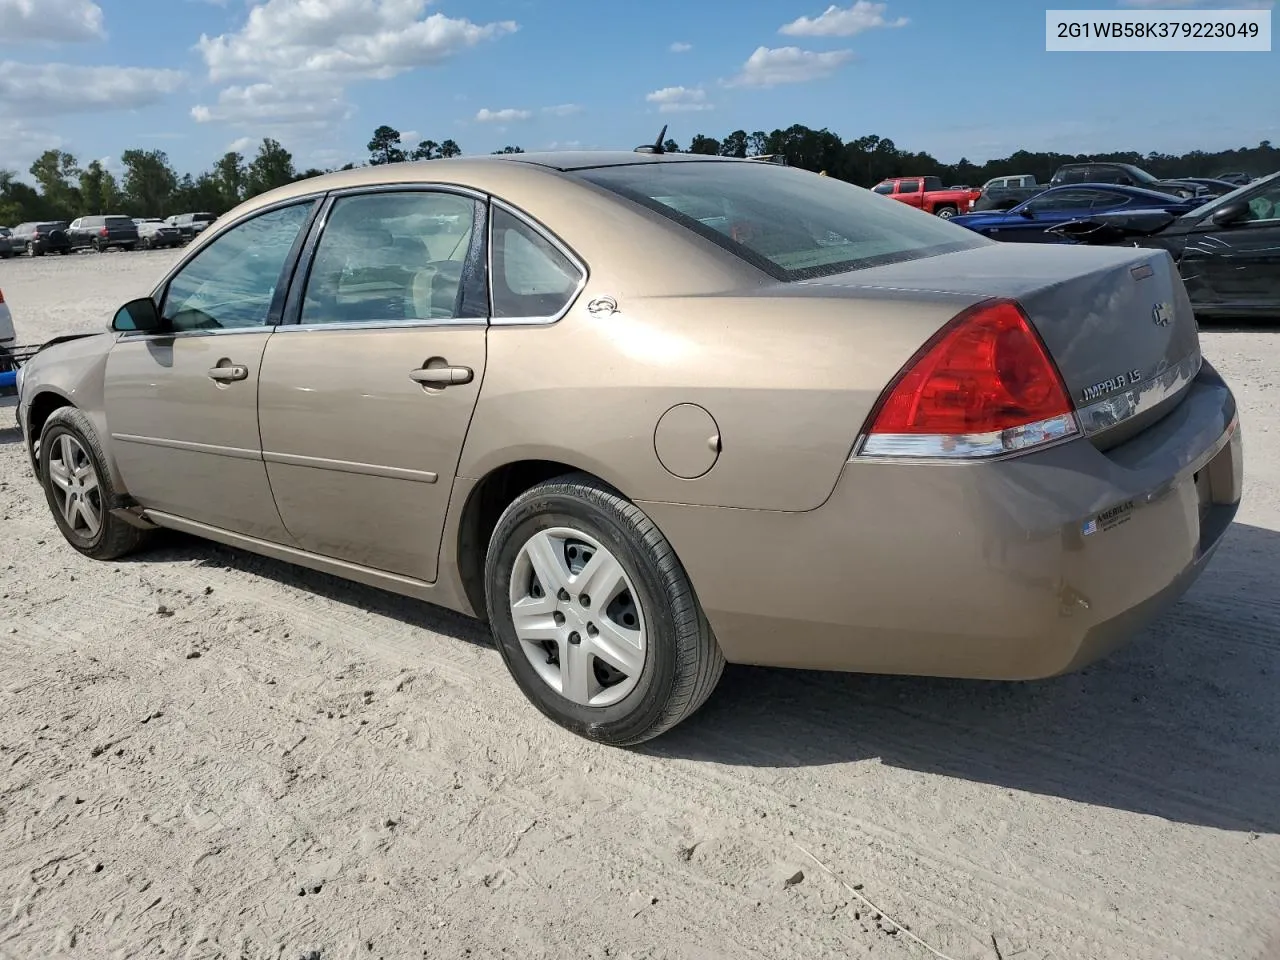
[{"x": 1017, "y": 569}]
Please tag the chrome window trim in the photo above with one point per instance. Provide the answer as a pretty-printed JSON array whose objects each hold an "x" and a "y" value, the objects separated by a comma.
[
  {"x": 382, "y": 325},
  {"x": 132, "y": 335},
  {"x": 576, "y": 261},
  {"x": 1114, "y": 410}
]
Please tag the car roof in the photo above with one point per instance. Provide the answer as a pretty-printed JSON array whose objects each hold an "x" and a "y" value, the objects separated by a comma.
[{"x": 492, "y": 173}]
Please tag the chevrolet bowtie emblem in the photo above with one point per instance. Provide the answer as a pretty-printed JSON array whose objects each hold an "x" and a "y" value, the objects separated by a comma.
[{"x": 1161, "y": 314}]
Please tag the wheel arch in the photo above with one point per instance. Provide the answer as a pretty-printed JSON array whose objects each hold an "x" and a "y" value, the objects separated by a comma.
[
  {"x": 494, "y": 492},
  {"x": 41, "y": 408}
]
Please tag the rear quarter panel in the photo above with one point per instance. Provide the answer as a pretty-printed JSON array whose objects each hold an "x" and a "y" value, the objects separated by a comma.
[{"x": 789, "y": 376}]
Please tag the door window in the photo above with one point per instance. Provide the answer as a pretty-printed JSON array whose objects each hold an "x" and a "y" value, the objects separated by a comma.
[
  {"x": 232, "y": 282},
  {"x": 883, "y": 189},
  {"x": 1265, "y": 205},
  {"x": 1064, "y": 200},
  {"x": 909, "y": 186},
  {"x": 388, "y": 257},
  {"x": 532, "y": 279}
]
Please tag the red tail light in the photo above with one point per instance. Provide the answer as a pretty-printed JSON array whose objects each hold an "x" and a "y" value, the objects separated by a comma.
[
  {"x": 1, "y": 296},
  {"x": 104, "y": 232},
  {"x": 984, "y": 385}
]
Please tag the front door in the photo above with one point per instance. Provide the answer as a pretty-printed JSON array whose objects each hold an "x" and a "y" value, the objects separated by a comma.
[
  {"x": 182, "y": 405},
  {"x": 1238, "y": 267},
  {"x": 365, "y": 401}
]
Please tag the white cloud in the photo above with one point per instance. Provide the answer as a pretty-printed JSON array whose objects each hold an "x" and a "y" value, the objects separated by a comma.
[
  {"x": 841, "y": 22},
  {"x": 20, "y": 146},
  {"x": 315, "y": 48},
  {"x": 563, "y": 109},
  {"x": 240, "y": 144},
  {"x": 36, "y": 90},
  {"x": 52, "y": 21},
  {"x": 769, "y": 67},
  {"x": 680, "y": 47},
  {"x": 680, "y": 100},
  {"x": 485, "y": 115}
]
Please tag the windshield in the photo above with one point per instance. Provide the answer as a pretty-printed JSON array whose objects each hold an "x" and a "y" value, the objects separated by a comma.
[
  {"x": 789, "y": 223},
  {"x": 1214, "y": 203},
  {"x": 1140, "y": 175}
]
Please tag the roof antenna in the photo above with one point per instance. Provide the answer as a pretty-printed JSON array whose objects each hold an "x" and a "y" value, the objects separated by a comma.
[{"x": 656, "y": 146}]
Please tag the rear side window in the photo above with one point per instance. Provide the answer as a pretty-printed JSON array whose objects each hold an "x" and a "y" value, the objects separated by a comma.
[
  {"x": 119, "y": 222},
  {"x": 531, "y": 277},
  {"x": 788, "y": 222},
  {"x": 933, "y": 183},
  {"x": 908, "y": 186}
]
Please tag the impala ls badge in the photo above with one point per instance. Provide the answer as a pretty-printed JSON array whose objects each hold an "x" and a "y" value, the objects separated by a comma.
[
  {"x": 1121, "y": 380},
  {"x": 1161, "y": 314}
]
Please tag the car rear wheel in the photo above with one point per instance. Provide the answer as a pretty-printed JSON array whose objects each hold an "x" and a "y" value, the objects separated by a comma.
[
  {"x": 79, "y": 489},
  {"x": 946, "y": 213},
  {"x": 594, "y": 615}
]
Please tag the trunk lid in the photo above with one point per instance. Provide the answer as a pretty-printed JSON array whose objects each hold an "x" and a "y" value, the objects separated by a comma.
[{"x": 1117, "y": 320}]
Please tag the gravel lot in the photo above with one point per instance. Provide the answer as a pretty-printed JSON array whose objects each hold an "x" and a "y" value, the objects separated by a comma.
[{"x": 206, "y": 754}]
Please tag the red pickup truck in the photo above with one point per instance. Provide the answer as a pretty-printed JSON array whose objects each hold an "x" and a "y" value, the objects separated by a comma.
[{"x": 927, "y": 194}]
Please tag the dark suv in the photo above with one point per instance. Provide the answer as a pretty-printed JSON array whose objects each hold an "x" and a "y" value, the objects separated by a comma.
[
  {"x": 101, "y": 233},
  {"x": 191, "y": 225},
  {"x": 36, "y": 238}
]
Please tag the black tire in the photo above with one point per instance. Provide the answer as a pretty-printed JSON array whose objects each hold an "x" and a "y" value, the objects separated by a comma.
[
  {"x": 683, "y": 662},
  {"x": 127, "y": 248},
  {"x": 114, "y": 537},
  {"x": 946, "y": 213}
]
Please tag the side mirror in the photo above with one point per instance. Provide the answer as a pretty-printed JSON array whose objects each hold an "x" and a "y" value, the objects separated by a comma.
[
  {"x": 140, "y": 316},
  {"x": 1027, "y": 212},
  {"x": 1232, "y": 213}
]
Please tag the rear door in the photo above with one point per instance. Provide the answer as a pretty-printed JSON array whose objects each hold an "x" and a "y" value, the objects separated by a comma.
[
  {"x": 909, "y": 192},
  {"x": 366, "y": 396}
]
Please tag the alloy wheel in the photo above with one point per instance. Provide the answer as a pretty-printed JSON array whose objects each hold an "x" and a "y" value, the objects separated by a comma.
[
  {"x": 576, "y": 614},
  {"x": 74, "y": 483}
]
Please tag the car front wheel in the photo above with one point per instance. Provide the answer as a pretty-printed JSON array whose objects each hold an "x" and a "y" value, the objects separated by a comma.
[
  {"x": 79, "y": 488},
  {"x": 594, "y": 615}
]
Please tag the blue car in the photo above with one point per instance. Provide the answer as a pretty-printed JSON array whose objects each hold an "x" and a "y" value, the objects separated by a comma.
[{"x": 1028, "y": 221}]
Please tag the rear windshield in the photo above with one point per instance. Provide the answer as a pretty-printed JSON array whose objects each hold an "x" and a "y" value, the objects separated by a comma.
[
  {"x": 119, "y": 222},
  {"x": 792, "y": 224}
]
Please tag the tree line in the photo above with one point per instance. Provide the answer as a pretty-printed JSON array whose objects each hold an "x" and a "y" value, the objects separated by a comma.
[{"x": 149, "y": 186}]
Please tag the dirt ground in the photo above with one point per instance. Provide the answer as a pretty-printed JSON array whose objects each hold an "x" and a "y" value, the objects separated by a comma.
[{"x": 206, "y": 754}]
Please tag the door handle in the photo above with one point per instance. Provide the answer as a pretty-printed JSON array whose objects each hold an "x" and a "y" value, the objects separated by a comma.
[
  {"x": 441, "y": 376},
  {"x": 226, "y": 374}
]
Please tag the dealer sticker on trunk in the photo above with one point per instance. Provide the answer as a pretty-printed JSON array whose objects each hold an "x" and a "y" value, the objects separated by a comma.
[{"x": 1108, "y": 519}]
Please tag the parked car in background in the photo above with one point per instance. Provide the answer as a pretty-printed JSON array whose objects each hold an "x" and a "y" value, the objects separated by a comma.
[
  {"x": 8, "y": 364},
  {"x": 7, "y": 336},
  {"x": 102, "y": 232},
  {"x": 1227, "y": 250},
  {"x": 6, "y": 244},
  {"x": 1125, "y": 174},
  {"x": 1028, "y": 221},
  {"x": 927, "y": 194},
  {"x": 1213, "y": 186},
  {"x": 1240, "y": 179},
  {"x": 852, "y": 355},
  {"x": 158, "y": 234},
  {"x": 191, "y": 225},
  {"x": 36, "y": 238},
  {"x": 1018, "y": 180}
]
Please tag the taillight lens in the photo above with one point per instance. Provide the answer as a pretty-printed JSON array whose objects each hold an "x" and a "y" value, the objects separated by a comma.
[
  {"x": 983, "y": 386},
  {"x": 104, "y": 232},
  {"x": 1, "y": 296}
]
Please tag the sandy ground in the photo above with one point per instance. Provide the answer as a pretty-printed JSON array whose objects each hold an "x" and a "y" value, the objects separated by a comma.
[{"x": 205, "y": 754}]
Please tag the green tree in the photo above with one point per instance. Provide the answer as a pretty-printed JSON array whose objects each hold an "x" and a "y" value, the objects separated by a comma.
[
  {"x": 232, "y": 179},
  {"x": 426, "y": 150},
  {"x": 384, "y": 146},
  {"x": 450, "y": 148},
  {"x": 271, "y": 168},
  {"x": 510, "y": 149},
  {"x": 149, "y": 182},
  {"x": 99, "y": 192},
  {"x": 708, "y": 146},
  {"x": 55, "y": 171},
  {"x": 735, "y": 145},
  {"x": 670, "y": 146}
]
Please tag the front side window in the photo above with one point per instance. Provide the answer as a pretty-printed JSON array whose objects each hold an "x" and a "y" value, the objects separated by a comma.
[
  {"x": 531, "y": 278},
  {"x": 232, "y": 281},
  {"x": 388, "y": 257},
  {"x": 788, "y": 222},
  {"x": 1061, "y": 200},
  {"x": 884, "y": 189}
]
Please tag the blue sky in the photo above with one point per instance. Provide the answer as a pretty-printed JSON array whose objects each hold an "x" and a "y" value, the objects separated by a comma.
[{"x": 953, "y": 77}]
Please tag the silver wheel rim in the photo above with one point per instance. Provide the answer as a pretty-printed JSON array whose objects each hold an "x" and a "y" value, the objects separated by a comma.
[
  {"x": 577, "y": 618},
  {"x": 946, "y": 214},
  {"x": 75, "y": 486}
]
